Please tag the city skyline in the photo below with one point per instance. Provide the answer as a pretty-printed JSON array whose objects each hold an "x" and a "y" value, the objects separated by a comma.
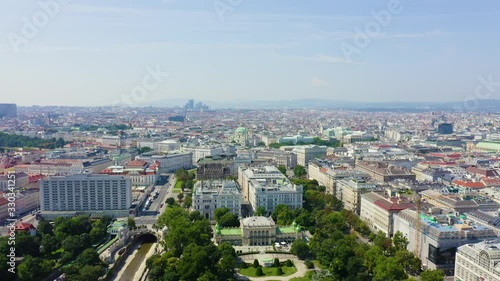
[{"x": 93, "y": 54}]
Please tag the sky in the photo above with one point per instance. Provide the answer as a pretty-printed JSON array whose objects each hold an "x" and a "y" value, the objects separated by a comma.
[{"x": 94, "y": 53}]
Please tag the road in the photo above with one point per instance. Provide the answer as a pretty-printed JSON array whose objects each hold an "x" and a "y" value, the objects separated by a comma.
[
  {"x": 155, "y": 210},
  {"x": 29, "y": 218}
]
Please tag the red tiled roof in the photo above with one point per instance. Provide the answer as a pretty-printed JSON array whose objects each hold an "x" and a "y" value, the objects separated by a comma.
[
  {"x": 469, "y": 184},
  {"x": 23, "y": 226},
  {"x": 491, "y": 181}
]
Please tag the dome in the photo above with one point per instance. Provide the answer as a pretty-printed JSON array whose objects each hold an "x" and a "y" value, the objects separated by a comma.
[{"x": 241, "y": 130}]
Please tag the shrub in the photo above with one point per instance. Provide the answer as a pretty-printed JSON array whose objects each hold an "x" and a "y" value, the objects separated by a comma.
[
  {"x": 255, "y": 263},
  {"x": 279, "y": 271},
  {"x": 309, "y": 264},
  {"x": 243, "y": 265},
  {"x": 289, "y": 263},
  {"x": 276, "y": 262},
  {"x": 259, "y": 272}
]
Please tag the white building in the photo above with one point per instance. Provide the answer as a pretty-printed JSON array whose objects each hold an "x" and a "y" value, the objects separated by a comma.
[
  {"x": 170, "y": 162},
  {"x": 349, "y": 191},
  {"x": 296, "y": 139},
  {"x": 270, "y": 193},
  {"x": 167, "y": 145},
  {"x": 210, "y": 195},
  {"x": 202, "y": 152},
  {"x": 245, "y": 174},
  {"x": 479, "y": 261},
  {"x": 65, "y": 195},
  {"x": 111, "y": 140},
  {"x": 267, "y": 187},
  {"x": 378, "y": 211},
  {"x": 307, "y": 153}
]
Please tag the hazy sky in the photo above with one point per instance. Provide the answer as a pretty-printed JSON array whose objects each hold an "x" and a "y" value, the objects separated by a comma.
[{"x": 99, "y": 52}]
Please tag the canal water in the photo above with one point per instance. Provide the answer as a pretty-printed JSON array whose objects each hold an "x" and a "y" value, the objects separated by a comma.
[{"x": 139, "y": 258}]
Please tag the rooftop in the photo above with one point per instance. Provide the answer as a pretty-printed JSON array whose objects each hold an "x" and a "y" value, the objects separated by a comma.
[{"x": 258, "y": 222}]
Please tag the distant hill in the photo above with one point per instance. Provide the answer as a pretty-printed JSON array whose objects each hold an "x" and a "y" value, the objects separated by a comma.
[{"x": 492, "y": 105}]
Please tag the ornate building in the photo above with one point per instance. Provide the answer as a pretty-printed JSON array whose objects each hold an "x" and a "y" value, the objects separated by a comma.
[{"x": 257, "y": 231}]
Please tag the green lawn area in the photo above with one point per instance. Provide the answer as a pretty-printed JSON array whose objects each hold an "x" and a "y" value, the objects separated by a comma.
[
  {"x": 318, "y": 265},
  {"x": 268, "y": 271},
  {"x": 177, "y": 187}
]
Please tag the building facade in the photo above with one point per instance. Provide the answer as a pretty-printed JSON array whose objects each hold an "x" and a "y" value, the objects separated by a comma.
[
  {"x": 479, "y": 261},
  {"x": 349, "y": 191},
  {"x": 266, "y": 186},
  {"x": 170, "y": 162},
  {"x": 210, "y": 195},
  {"x": 86, "y": 193},
  {"x": 439, "y": 235},
  {"x": 307, "y": 153},
  {"x": 269, "y": 194},
  {"x": 257, "y": 231},
  {"x": 378, "y": 211},
  {"x": 383, "y": 171}
]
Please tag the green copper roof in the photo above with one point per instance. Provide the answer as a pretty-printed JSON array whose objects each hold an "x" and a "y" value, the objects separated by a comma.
[{"x": 490, "y": 145}]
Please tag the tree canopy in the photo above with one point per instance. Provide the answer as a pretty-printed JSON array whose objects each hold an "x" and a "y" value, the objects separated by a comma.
[{"x": 190, "y": 254}]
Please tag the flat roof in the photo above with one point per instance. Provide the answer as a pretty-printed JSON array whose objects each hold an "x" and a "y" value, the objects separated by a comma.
[{"x": 231, "y": 231}]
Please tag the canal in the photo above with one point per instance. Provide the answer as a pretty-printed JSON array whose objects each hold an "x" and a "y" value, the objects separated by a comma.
[{"x": 139, "y": 258}]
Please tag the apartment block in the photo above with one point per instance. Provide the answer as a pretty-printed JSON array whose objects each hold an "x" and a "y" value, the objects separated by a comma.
[
  {"x": 88, "y": 193},
  {"x": 378, "y": 211},
  {"x": 349, "y": 191}
]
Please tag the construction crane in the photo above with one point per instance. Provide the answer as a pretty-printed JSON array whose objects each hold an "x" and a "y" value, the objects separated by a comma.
[{"x": 418, "y": 225}]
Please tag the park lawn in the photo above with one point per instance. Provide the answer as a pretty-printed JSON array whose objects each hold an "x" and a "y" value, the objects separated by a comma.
[
  {"x": 318, "y": 264},
  {"x": 177, "y": 187},
  {"x": 268, "y": 271}
]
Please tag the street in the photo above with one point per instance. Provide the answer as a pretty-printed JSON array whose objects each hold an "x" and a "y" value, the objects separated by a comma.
[
  {"x": 29, "y": 218},
  {"x": 155, "y": 210}
]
